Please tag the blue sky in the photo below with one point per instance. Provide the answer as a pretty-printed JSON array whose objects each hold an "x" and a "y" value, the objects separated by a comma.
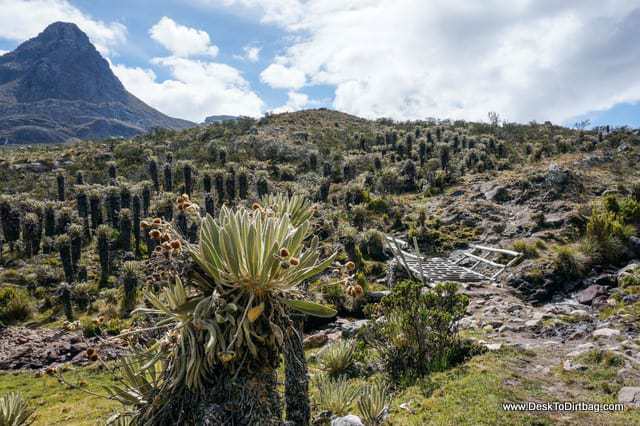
[{"x": 406, "y": 59}]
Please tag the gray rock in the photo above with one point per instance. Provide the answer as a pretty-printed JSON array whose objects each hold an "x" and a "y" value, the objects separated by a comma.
[
  {"x": 350, "y": 329},
  {"x": 629, "y": 395},
  {"x": 587, "y": 295},
  {"x": 498, "y": 194},
  {"x": 568, "y": 365},
  {"x": 349, "y": 420},
  {"x": 376, "y": 296},
  {"x": 606, "y": 332},
  {"x": 534, "y": 323}
]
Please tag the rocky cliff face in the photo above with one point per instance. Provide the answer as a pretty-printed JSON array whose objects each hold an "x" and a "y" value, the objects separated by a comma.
[{"x": 57, "y": 87}]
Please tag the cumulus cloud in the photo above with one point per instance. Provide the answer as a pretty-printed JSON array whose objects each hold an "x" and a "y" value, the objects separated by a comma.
[
  {"x": 20, "y": 20},
  {"x": 182, "y": 41},
  {"x": 195, "y": 90},
  {"x": 280, "y": 76},
  {"x": 252, "y": 53},
  {"x": 409, "y": 59},
  {"x": 295, "y": 102},
  {"x": 2, "y": 52}
]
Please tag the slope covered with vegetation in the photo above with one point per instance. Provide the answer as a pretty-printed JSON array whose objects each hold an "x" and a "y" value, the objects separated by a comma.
[{"x": 178, "y": 263}]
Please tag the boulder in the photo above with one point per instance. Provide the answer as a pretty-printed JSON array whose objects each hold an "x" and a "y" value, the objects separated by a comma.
[
  {"x": 349, "y": 420},
  {"x": 350, "y": 329},
  {"x": 498, "y": 194},
  {"x": 376, "y": 296},
  {"x": 587, "y": 295},
  {"x": 606, "y": 332},
  {"x": 315, "y": 340},
  {"x": 629, "y": 395}
]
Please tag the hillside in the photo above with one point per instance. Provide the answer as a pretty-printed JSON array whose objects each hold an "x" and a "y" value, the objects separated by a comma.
[
  {"x": 559, "y": 324},
  {"x": 56, "y": 87}
]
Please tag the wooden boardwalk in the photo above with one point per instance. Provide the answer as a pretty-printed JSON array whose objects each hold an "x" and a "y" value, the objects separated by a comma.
[{"x": 437, "y": 269}]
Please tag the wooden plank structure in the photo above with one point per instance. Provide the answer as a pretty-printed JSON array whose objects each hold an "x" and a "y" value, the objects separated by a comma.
[{"x": 437, "y": 269}]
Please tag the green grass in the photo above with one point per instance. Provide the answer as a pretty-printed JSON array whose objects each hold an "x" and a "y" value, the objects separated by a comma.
[{"x": 57, "y": 404}]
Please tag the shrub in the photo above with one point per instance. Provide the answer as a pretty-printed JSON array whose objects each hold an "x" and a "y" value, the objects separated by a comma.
[
  {"x": 335, "y": 395},
  {"x": 15, "y": 305},
  {"x": 373, "y": 403},
  {"x": 630, "y": 210},
  {"x": 606, "y": 236},
  {"x": 569, "y": 263},
  {"x": 419, "y": 332},
  {"x": 14, "y": 411},
  {"x": 373, "y": 245},
  {"x": 338, "y": 357},
  {"x": 529, "y": 250}
]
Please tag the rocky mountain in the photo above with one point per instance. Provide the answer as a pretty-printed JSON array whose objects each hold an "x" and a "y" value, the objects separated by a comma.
[
  {"x": 220, "y": 118},
  {"x": 56, "y": 87}
]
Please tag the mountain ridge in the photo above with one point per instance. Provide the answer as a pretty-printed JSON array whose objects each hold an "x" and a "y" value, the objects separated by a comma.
[{"x": 57, "y": 87}]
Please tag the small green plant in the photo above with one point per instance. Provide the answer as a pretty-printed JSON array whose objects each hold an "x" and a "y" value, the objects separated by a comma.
[
  {"x": 418, "y": 333},
  {"x": 569, "y": 262},
  {"x": 338, "y": 357},
  {"x": 335, "y": 395},
  {"x": 15, "y": 411},
  {"x": 15, "y": 305},
  {"x": 373, "y": 403}
]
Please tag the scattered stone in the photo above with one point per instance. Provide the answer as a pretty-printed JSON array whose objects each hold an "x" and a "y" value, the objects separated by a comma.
[
  {"x": 567, "y": 365},
  {"x": 315, "y": 340},
  {"x": 587, "y": 295},
  {"x": 606, "y": 332},
  {"x": 580, "y": 314},
  {"x": 533, "y": 323},
  {"x": 350, "y": 329},
  {"x": 498, "y": 194},
  {"x": 349, "y": 420},
  {"x": 376, "y": 296},
  {"x": 629, "y": 395},
  {"x": 494, "y": 346}
]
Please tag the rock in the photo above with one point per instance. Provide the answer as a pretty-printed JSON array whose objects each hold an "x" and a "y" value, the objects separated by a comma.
[
  {"x": 605, "y": 280},
  {"x": 628, "y": 270},
  {"x": 533, "y": 323},
  {"x": 350, "y": 329},
  {"x": 494, "y": 346},
  {"x": 315, "y": 340},
  {"x": 587, "y": 295},
  {"x": 376, "y": 296},
  {"x": 606, "y": 332},
  {"x": 629, "y": 395},
  {"x": 567, "y": 365},
  {"x": 498, "y": 194},
  {"x": 634, "y": 245},
  {"x": 349, "y": 420},
  {"x": 579, "y": 314}
]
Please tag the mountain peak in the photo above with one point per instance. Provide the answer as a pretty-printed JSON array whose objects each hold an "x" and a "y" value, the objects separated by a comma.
[
  {"x": 61, "y": 67},
  {"x": 64, "y": 31}
]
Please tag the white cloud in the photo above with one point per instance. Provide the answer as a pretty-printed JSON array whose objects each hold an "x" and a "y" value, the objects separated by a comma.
[
  {"x": 20, "y": 20},
  {"x": 252, "y": 53},
  {"x": 182, "y": 41},
  {"x": 526, "y": 59},
  {"x": 280, "y": 76},
  {"x": 195, "y": 90},
  {"x": 249, "y": 53},
  {"x": 2, "y": 52},
  {"x": 295, "y": 102}
]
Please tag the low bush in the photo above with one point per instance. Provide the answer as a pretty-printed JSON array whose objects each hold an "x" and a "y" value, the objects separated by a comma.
[
  {"x": 419, "y": 333},
  {"x": 15, "y": 305},
  {"x": 569, "y": 263},
  {"x": 15, "y": 411},
  {"x": 337, "y": 358},
  {"x": 335, "y": 395}
]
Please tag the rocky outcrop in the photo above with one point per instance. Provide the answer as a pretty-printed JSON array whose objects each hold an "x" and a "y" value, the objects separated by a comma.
[{"x": 56, "y": 87}]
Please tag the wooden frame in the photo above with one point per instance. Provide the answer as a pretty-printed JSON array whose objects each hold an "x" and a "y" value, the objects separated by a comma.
[{"x": 415, "y": 264}]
